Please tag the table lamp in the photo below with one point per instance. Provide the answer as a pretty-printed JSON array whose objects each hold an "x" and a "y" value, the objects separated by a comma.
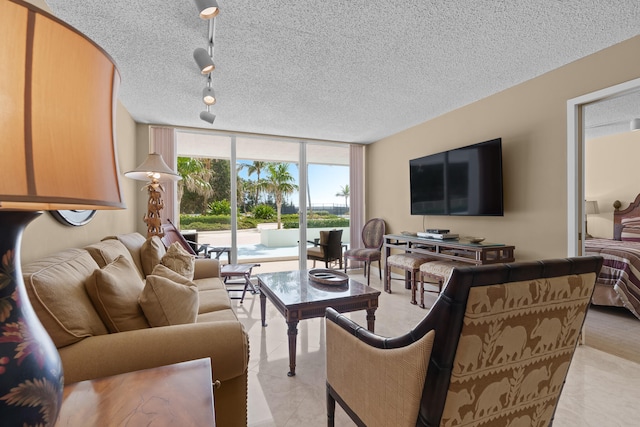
[
  {"x": 154, "y": 169},
  {"x": 57, "y": 109}
]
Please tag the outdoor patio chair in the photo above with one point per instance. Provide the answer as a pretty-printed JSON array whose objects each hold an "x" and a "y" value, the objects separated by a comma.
[
  {"x": 327, "y": 249},
  {"x": 172, "y": 235}
]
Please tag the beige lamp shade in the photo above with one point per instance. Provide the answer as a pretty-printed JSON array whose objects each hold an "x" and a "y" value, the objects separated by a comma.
[
  {"x": 153, "y": 168},
  {"x": 57, "y": 112},
  {"x": 591, "y": 207}
]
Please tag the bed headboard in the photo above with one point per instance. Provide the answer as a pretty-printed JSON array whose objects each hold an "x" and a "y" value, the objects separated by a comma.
[{"x": 632, "y": 211}]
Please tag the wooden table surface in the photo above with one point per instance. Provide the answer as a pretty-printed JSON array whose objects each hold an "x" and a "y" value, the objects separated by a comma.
[{"x": 172, "y": 395}]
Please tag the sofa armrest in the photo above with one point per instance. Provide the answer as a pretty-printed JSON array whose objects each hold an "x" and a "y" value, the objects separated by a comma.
[
  {"x": 224, "y": 342},
  {"x": 206, "y": 267}
]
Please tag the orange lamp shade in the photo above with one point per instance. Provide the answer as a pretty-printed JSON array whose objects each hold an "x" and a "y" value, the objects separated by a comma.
[{"x": 57, "y": 114}]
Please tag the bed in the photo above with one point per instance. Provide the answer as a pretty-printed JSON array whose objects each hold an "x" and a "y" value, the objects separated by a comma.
[{"x": 619, "y": 281}]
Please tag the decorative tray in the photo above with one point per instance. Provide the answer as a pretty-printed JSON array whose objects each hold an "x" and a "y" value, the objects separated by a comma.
[{"x": 328, "y": 277}]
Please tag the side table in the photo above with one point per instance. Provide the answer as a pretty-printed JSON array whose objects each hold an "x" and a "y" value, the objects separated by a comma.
[
  {"x": 242, "y": 271},
  {"x": 174, "y": 395}
]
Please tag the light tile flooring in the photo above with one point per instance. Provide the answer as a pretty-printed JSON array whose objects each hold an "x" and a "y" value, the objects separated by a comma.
[{"x": 602, "y": 390}]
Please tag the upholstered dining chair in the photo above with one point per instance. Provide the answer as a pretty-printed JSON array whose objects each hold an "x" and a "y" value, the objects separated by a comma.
[
  {"x": 494, "y": 350},
  {"x": 372, "y": 240},
  {"x": 327, "y": 249}
]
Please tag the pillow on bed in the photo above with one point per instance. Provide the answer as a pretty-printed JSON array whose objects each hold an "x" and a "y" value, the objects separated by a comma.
[{"x": 630, "y": 229}]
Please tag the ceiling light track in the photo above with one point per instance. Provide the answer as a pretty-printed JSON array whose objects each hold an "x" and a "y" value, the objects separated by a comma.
[{"x": 208, "y": 9}]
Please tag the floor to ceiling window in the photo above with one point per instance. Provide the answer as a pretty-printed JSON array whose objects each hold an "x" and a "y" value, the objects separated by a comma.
[
  {"x": 249, "y": 193},
  {"x": 328, "y": 200}
]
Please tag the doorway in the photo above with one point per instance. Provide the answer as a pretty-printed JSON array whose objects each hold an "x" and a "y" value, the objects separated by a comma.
[
  {"x": 576, "y": 130},
  {"x": 586, "y": 116}
]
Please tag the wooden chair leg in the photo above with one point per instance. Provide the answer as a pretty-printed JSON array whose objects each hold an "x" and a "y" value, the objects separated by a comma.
[
  {"x": 422, "y": 291},
  {"x": 412, "y": 278},
  {"x": 380, "y": 269},
  {"x": 331, "y": 409},
  {"x": 387, "y": 272},
  {"x": 368, "y": 265},
  {"x": 345, "y": 264}
]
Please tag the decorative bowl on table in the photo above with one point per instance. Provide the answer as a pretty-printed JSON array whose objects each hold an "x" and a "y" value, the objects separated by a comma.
[
  {"x": 476, "y": 239},
  {"x": 328, "y": 277}
]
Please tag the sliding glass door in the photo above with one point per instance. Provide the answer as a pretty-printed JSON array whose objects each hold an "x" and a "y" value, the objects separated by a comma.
[{"x": 250, "y": 194}]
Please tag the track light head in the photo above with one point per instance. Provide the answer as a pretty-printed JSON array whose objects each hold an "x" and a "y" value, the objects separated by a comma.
[
  {"x": 634, "y": 125},
  {"x": 204, "y": 61},
  {"x": 208, "y": 96},
  {"x": 208, "y": 117},
  {"x": 207, "y": 8}
]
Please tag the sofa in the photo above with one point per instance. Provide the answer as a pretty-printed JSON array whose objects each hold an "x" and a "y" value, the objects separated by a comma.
[{"x": 90, "y": 300}]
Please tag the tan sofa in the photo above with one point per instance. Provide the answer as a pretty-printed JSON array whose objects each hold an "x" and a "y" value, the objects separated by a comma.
[{"x": 57, "y": 289}]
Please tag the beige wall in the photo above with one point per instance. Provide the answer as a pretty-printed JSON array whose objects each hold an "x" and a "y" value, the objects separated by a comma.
[
  {"x": 45, "y": 235},
  {"x": 531, "y": 120},
  {"x": 611, "y": 173}
]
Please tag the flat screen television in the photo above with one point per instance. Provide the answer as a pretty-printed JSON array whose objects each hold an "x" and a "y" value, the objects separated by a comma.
[{"x": 462, "y": 181}]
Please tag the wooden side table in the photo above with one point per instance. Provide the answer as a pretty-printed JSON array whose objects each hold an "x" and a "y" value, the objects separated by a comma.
[{"x": 174, "y": 395}]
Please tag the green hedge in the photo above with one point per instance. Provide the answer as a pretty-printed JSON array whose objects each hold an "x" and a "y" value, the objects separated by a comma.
[
  {"x": 214, "y": 222},
  {"x": 319, "y": 223}
]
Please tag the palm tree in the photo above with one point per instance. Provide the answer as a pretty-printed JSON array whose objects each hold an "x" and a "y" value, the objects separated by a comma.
[
  {"x": 344, "y": 192},
  {"x": 195, "y": 177},
  {"x": 257, "y": 168},
  {"x": 280, "y": 183}
]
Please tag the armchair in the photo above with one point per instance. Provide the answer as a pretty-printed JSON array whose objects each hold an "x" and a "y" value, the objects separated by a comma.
[
  {"x": 493, "y": 351},
  {"x": 327, "y": 249}
]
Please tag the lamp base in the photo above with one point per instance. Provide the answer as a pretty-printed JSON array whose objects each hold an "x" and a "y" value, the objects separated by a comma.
[
  {"x": 31, "y": 379},
  {"x": 154, "y": 206}
]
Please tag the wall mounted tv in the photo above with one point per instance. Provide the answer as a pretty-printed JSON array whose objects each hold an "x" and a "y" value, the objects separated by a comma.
[{"x": 463, "y": 181}]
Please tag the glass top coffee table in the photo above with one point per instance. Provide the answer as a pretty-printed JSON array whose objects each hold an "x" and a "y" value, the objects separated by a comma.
[{"x": 298, "y": 298}]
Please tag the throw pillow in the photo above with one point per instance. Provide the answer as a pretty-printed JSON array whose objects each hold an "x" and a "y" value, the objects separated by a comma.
[
  {"x": 151, "y": 254},
  {"x": 165, "y": 302},
  {"x": 114, "y": 292},
  {"x": 167, "y": 273},
  {"x": 179, "y": 260},
  {"x": 56, "y": 288}
]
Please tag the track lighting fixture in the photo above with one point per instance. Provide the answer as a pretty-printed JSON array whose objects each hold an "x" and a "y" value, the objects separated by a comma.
[
  {"x": 208, "y": 96},
  {"x": 207, "y": 8},
  {"x": 204, "y": 60},
  {"x": 207, "y": 116},
  {"x": 634, "y": 125}
]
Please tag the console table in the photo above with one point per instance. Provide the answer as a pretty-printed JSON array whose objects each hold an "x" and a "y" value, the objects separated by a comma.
[
  {"x": 452, "y": 249},
  {"x": 173, "y": 395}
]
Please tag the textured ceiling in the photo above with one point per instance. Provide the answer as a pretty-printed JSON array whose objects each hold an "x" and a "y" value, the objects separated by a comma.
[{"x": 352, "y": 71}]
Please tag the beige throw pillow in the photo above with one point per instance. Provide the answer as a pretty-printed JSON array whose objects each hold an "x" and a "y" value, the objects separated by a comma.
[
  {"x": 56, "y": 288},
  {"x": 165, "y": 302},
  {"x": 114, "y": 292},
  {"x": 167, "y": 273},
  {"x": 151, "y": 254},
  {"x": 179, "y": 260}
]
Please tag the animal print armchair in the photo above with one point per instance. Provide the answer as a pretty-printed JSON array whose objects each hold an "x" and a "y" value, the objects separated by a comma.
[{"x": 493, "y": 351}]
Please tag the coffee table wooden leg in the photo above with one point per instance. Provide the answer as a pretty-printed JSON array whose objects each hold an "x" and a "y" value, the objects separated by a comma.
[
  {"x": 371, "y": 319},
  {"x": 263, "y": 308},
  {"x": 292, "y": 332}
]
